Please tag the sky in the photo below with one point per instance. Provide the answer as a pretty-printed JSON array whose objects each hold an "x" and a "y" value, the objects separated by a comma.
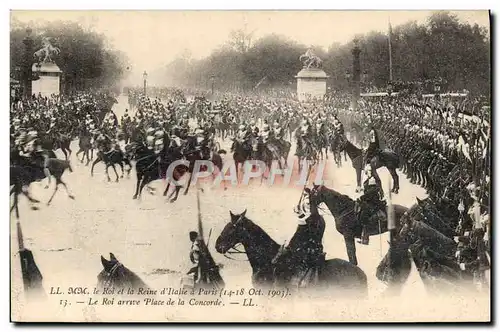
[{"x": 154, "y": 38}]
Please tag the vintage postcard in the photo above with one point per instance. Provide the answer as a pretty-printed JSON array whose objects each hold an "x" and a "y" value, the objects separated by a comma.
[{"x": 250, "y": 166}]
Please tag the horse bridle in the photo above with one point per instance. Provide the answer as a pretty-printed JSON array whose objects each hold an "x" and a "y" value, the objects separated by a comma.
[
  {"x": 235, "y": 249},
  {"x": 110, "y": 274}
]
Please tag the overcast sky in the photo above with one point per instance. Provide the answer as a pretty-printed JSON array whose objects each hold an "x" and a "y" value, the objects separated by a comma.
[{"x": 153, "y": 38}]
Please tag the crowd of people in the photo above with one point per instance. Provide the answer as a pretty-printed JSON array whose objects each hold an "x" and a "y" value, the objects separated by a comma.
[{"x": 444, "y": 143}]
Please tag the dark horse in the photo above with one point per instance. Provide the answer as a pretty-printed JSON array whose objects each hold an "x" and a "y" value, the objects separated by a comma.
[
  {"x": 150, "y": 166},
  {"x": 26, "y": 171},
  {"x": 192, "y": 154},
  {"x": 385, "y": 158},
  {"x": 426, "y": 236},
  {"x": 111, "y": 158},
  {"x": 54, "y": 141},
  {"x": 343, "y": 209},
  {"x": 242, "y": 151},
  {"x": 85, "y": 146},
  {"x": 261, "y": 250},
  {"x": 115, "y": 274}
]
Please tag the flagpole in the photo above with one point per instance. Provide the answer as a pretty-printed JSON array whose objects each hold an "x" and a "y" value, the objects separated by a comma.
[{"x": 390, "y": 51}]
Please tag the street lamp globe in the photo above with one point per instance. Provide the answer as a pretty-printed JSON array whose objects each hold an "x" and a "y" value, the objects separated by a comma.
[{"x": 145, "y": 75}]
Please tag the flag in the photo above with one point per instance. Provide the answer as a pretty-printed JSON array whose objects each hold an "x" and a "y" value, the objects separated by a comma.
[
  {"x": 32, "y": 277},
  {"x": 390, "y": 51}
]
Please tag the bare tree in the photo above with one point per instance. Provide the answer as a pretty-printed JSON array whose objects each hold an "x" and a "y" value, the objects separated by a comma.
[{"x": 241, "y": 40}]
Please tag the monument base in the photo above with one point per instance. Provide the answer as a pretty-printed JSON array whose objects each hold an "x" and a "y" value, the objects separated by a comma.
[
  {"x": 49, "y": 79},
  {"x": 311, "y": 84}
]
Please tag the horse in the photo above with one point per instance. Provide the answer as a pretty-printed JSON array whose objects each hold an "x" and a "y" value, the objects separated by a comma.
[
  {"x": 343, "y": 209},
  {"x": 260, "y": 151},
  {"x": 85, "y": 146},
  {"x": 427, "y": 238},
  {"x": 261, "y": 250},
  {"x": 54, "y": 141},
  {"x": 242, "y": 151},
  {"x": 305, "y": 150},
  {"x": 150, "y": 167},
  {"x": 25, "y": 172},
  {"x": 116, "y": 275},
  {"x": 385, "y": 158},
  {"x": 110, "y": 158},
  {"x": 192, "y": 154}
]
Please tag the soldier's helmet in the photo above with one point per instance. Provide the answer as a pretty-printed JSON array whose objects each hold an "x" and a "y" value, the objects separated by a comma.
[{"x": 242, "y": 127}]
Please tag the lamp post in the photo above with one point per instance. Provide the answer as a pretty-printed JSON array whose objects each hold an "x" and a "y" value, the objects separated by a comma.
[
  {"x": 212, "y": 80},
  {"x": 145, "y": 77},
  {"x": 356, "y": 69},
  {"x": 27, "y": 63}
]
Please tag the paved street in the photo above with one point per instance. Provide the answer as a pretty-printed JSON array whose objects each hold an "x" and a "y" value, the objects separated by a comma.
[{"x": 148, "y": 235}]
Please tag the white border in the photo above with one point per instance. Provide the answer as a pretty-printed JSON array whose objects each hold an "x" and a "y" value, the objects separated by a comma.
[{"x": 181, "y": 4}]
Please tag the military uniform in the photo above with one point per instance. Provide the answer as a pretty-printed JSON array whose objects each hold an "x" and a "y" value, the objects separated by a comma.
[
  {"x": 372, "y": 201},
  {"x": 304, "y": 252}
]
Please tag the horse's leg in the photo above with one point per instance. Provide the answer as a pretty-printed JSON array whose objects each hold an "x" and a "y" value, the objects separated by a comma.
[
  {"x": 87, "y": 155},
  {"x": 350, "y": 245},
  {"x": 59, "y": 180},
  {"x": 127, "y": 162},
  {"x": 358, "y": 179},
  {"x": 121, "y": 167},
  {"x": 68, "y": 147},
  {"x": 139, "y": 177},
  {"x": 78, "y": 152},
  {"x": 26, "y": 193},
  {"x": 54, "y": 193},
  {"x": 65, "y": 153},
  {"x": 395, "y": 179},
  {"x": 93, "y": 165},
  {"x": 177, "y": 190},
  {"x": 167, "y": 188},
  {"x": 145, "y": 180},
  {"x": 188, "y": 183},
  {"x": 107, "y": 173}
]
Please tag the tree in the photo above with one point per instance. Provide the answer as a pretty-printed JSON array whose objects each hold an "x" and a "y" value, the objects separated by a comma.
[{"x": 85, "y": 59}]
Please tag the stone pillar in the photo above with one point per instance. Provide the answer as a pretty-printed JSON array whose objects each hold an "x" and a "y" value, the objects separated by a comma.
[
  {"x": 49, "y": 81},
  {"x": 311, "y": 84},
  {"x": 27, "y": 63},
  {"x": 356, "y": 77}
]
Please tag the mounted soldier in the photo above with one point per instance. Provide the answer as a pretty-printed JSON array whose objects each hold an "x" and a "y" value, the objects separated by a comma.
[
  {"x": 202, "y": 144},
  {"x": 304, "y": 253},
  {"x": 370, "y": 204},
  {"x": 374, "y": 146}
]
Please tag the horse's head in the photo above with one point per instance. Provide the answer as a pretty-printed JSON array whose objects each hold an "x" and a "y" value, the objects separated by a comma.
[
  {"x": 112, "y": 270},
  {"x": 341, "y": 143},
  {"x": 115, "y": 274},
  {"x": 233, "y": 233},
  {"x": 255, "y": 141},
  {"x": 318, "y": 193}
]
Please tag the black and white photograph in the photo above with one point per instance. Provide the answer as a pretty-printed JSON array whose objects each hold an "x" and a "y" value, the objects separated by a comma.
[{"x": 264, "y": 166}]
